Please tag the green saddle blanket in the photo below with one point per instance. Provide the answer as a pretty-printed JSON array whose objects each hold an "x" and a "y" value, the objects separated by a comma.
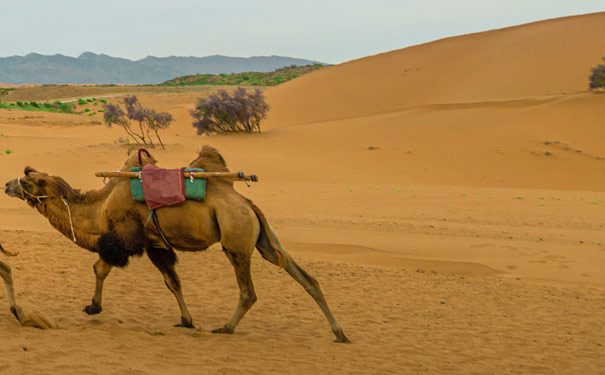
[{"x": 194, "y": 188}]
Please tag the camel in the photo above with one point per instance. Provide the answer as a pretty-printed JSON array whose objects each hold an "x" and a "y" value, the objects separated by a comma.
[
  {"x": 33, "y": 319},
  {"x": 109, "y": 222}
]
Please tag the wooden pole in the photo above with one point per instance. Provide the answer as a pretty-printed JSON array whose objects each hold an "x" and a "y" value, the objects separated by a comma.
[{"x": 240, "y": 176}]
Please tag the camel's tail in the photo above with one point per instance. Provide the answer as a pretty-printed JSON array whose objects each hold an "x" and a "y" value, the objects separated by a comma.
[{"x": 267, "y": 242}]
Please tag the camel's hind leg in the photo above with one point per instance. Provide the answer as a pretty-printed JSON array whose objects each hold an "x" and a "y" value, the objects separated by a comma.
[
  {"x": 247, "y": 296},
  {"x": 270, "y": 248},
  {"x": 101, "y": 269},
  {"x": 165, "y": 260}
]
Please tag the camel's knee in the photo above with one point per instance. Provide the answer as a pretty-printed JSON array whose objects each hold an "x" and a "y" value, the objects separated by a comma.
[
  {"x": 172, "y": 282},
  {"x": 101, "y": 269},
  {"x": 248, "y": 299}
]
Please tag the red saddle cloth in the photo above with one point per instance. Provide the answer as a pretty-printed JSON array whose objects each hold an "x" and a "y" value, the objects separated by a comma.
[{"x": 162, "y": 187}]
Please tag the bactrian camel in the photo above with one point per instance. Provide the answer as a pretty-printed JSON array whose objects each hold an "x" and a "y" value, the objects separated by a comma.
[
  {"x": 33, "y": 319},
  {"x": 109, "y": 222}
]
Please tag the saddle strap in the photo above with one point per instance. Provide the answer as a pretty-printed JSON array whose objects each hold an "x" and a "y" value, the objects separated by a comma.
[
  {"x": 141, "y": 150},
  {"x": 157, "y": 225}
]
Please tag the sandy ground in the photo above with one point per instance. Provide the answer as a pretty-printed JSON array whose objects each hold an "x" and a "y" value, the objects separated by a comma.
[{"x": 445, "y": 239}]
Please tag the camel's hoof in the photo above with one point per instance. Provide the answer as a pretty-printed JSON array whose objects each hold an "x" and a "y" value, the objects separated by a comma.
[
  {"x": 34, "y": 319},
  {"x": 93, "y": 309},
  {"x": 225, "y": 329},
  {"x": 185, "y": 325},
  {"x": 341, "y": 338}
]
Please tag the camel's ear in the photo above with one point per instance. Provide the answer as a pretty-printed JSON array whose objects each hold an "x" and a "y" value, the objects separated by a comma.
[{"x": 28, "y": 170}]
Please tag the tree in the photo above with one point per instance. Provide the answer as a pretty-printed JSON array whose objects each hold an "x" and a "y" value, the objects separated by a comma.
[
  {"x": 157, "y": 122},
  {"x": 597, "y": 78},
  {"x": 222, "y": 112},
  {"x": 148, "y": 120}
]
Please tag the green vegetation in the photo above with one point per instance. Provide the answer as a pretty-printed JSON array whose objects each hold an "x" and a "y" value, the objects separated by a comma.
[
  {"x": 597, "y": 78},
  {"x": 245, "y": 79},
  {"x": 43, "y": 107}
]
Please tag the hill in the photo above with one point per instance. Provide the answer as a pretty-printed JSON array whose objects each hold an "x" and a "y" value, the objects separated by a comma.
[
  {"x": 273, "y": 78},
  {"x": 103, "y": 69}
]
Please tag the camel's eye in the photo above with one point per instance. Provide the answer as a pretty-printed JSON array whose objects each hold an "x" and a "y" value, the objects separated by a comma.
[{"x": 25, "y": 184}]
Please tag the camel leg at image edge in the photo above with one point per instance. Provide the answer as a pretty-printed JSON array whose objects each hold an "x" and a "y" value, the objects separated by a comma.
[
  {"x": 165, "y": 260},
  {"x": 6, "y": 274},
  {"x": 101, "y": 269},
  {"x": 247, "y": 296},
  {"x": 27, "y": 320}
]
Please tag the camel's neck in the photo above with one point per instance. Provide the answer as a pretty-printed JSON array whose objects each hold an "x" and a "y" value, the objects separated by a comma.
[{"x": 75, "y": 219}]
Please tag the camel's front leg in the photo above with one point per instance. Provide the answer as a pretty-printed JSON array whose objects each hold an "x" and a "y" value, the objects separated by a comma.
[{"x": 101, "y": 269}]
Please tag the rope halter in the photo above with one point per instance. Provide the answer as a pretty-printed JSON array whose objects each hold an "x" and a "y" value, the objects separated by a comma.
[{"x": 23, "y": 192}]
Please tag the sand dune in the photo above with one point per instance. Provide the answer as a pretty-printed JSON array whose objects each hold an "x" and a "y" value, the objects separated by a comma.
[
  {"x": 544, "y": 58},
  {"x": 444, "y": 236},
  {"x": 507, "y": 107}
]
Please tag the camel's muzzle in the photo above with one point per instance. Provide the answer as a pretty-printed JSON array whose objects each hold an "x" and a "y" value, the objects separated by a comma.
[{"x": 12, "y": 189}]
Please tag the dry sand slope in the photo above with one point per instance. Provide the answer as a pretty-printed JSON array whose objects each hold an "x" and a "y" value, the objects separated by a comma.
[{"x": 454, "y": 246}]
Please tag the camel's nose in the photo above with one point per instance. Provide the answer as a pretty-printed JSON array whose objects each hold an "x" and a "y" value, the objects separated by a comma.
[{"x": 7, "y": 189}]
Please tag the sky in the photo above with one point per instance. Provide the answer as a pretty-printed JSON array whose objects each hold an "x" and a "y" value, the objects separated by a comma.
[{"x": 329, "y": 31}]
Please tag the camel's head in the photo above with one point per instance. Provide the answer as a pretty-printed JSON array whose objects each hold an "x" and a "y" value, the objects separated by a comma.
[{"x": 35, "y": 186}]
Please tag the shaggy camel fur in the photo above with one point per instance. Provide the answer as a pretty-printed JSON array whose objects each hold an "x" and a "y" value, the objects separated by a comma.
[
  {"x": 110, "y": 223},
  {"x": 33, "y": 319}
]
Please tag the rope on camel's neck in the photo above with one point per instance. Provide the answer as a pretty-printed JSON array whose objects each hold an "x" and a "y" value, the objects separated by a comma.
[{"x": 71, "y": 223}]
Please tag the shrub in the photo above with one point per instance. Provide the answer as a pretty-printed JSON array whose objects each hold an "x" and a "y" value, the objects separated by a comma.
[
  {"x": 62, "y": 107},
  {"x": 81, "y": 102},
  {"x": 34, "y": 104},
  {"x": 4, "y": 91},
  {"x": 597, "y": 78},
  {"x": 19, "y": 103},
  {"x": 222, "y": 112}
]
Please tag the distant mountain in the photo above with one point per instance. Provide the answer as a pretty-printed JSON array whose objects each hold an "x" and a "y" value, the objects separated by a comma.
[{"x": 103, "y": 69}]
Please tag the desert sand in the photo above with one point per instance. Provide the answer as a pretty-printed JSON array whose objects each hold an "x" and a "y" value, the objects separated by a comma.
[{"x": 449, "y": 198}]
